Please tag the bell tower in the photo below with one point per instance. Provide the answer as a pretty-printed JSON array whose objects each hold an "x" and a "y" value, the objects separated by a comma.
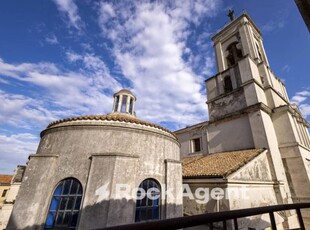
[
  {"x": 243, "y": 71},
  {"x": 242, "y": 96},
  {"x": 249, "y": 108}
]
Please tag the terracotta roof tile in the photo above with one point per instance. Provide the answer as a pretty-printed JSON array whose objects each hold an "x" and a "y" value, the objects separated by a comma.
[
  {"x": 217, "y": 164},
  {"x": 5, "y": 179},
  {"x": 110, "y": 117}
]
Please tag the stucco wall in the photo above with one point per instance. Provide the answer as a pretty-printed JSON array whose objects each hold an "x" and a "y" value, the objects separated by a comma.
[
  {"x": 97, "y": 153},
  {"x": 230, "y": 103},
  {"x": 257, "y": 169},
  {"x": 185, "y": 137},
  {"x": 230, "y": 135},
  {"x": 295, "y": 159}
]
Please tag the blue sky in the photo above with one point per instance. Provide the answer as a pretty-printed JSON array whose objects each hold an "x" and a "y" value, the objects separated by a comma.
[{"x": 64, "y": 58}]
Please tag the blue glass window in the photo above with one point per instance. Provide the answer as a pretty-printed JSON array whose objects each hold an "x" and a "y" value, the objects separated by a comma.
[
  {"x": 65, "y": 205},
  {"x": 148, "y": 201}
]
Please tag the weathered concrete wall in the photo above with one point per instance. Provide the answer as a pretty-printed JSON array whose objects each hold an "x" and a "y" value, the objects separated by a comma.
[
  {"x": 98, "y": 154},
  {"x": 238, "y": 195},
  {"x": 232, "y": 102},
  {"x": 256, "y": 170},
  {"x": 296, "y": 162},
  {"x": 197, "y": 199},
  {"x": 230, "y": 135},
  {"x": 251, "y": 199},
  {"x": 264, "y": 136},
  {"x": 285, "y": 127},
  {"x": 31, "y": 205}
]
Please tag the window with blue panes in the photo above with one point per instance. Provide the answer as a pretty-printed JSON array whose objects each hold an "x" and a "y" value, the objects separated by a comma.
[
  {"x": 148, "y": 206},
  {"x": 65, "y": 205}
]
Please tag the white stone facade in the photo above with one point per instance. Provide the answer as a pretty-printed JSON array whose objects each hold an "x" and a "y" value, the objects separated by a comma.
[{"x": 249, "y": 109}]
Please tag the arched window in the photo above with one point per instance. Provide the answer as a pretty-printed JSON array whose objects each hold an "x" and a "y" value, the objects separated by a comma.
[
  {"x": 65, "y": 205},
  {"x": 227, "y": 84},
  {"x": 234, "y": 54},
  {"x": 148, "y": 201}
]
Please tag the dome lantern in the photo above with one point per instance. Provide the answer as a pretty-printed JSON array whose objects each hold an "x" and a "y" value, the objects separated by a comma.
[{"x": 124, "y": 102}]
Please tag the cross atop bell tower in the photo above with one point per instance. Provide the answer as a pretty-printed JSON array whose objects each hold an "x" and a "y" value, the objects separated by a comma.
[{"x": 231, "y": 14}]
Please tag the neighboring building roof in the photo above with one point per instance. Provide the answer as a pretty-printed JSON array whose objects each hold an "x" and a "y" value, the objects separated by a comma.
[
  {"x": 217, "y": 164},
  {"x": 5, "y": 179},
  {"x": 110, "y": 117}
]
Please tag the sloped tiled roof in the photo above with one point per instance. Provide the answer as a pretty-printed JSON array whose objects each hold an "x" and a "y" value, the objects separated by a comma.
[
  {"x": 110, "y": 117},
  {"x": 217, "y": 164},
  {"x": 5, "y": 179}
]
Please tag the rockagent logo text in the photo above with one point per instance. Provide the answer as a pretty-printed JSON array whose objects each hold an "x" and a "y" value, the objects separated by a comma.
[{"x": 201, "y": 195}]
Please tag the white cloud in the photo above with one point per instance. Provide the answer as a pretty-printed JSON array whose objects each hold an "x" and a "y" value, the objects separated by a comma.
[
  {"x": 73, "y": 57},
  {"x": 149, "y": 42},
  {"x": 15, "y": 150},
  {"x": 277, "y": 23},
  {"x": 51, "y": 39},
  {"x": 69, "y": 8},
  {"x": 106, "y": 12},
  {"x": 63, "y": 92},
  {"x": 305, "y": 109},
  {"x": 272, "y": 25},
  {"x": 300, "y": 99},
  {"x": 286, "y": 68},
  {"x": 22, "y": 111}
]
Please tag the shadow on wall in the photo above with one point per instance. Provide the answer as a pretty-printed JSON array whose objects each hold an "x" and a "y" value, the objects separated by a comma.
[{"x": 103, "y": 214}]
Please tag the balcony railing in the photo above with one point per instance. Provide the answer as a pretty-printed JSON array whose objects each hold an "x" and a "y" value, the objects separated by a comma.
[{"x": 210, "y": 218}]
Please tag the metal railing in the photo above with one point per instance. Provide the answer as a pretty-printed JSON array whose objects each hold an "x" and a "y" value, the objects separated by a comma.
[{"x": 210, "y": 218}]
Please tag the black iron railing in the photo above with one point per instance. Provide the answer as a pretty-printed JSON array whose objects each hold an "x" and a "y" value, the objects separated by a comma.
[{"x": 210, "y": 218}]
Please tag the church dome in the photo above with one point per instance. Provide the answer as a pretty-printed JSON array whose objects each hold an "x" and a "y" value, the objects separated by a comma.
[{"x": 94, "y": 152}]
